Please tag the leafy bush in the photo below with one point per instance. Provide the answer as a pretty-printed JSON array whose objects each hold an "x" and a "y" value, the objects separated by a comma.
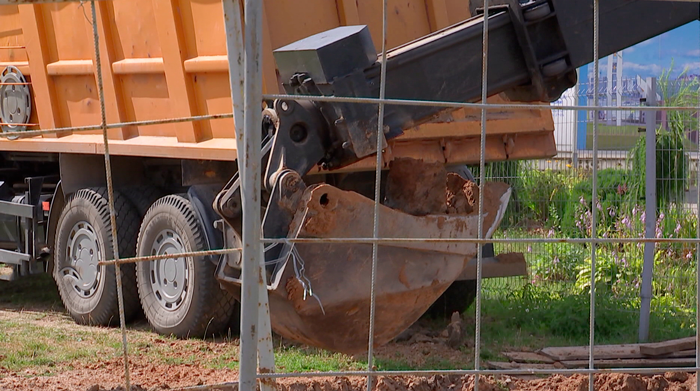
[
  {"x": 613, "y": 197},
  {"x": 618, "y": 273},
  {"x": 671, "y": 167},
  {"x": 545, "y": 194},
  {"x": 671, "y": 158},
  {"x": 556, "y": 262}
]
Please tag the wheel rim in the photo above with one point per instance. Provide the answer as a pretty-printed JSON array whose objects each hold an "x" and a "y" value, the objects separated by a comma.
[
  {"x": 84, "y": 253},
  {"x": 169, "y": 277}
]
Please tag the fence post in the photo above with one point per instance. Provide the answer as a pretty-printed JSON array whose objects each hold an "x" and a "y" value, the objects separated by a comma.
[
  {"x": 252, "y": 253},
  {"x": 650, "y": 223}
]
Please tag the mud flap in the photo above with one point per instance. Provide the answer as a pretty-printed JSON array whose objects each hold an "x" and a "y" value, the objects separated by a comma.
[{"x": 321, "y": 294}]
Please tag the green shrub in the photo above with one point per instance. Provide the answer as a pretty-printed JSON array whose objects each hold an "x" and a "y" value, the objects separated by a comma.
[
  {"x": 671, "y": 168},
  {"x": 613, "y": 189},
  {"x": 545, "y": 194}
]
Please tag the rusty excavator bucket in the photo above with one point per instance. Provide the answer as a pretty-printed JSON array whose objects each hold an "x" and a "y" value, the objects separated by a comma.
[{"x": 321, "y": 294}]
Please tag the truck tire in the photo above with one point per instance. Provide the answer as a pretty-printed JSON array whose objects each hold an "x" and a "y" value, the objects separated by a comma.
[
  {"x": 180, "y": 297},
  {"x": 142, "y": 197},
  {"x": 84, "y": 237},
  {"x": 457, "y": 298}
]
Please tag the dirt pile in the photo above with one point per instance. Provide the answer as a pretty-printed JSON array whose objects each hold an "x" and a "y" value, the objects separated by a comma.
[
  {"x": 420, "y": 188},
  {"x": 607, "y": 382},
  {"x": 108, "y": 376},
  {"x": 416, "y": 187},
  {"x": 670, "y": 381}
]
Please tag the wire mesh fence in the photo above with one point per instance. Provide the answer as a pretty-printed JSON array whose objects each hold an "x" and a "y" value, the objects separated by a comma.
[
  {"x": 552, "y": 199},
  {"x": 594, "y": 188}
]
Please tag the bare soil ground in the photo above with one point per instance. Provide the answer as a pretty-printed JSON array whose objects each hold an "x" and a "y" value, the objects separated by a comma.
[
  {"x": 108, "y": 375},
  {"x": 158, "y": 363},
  {"x": 41, "y": 348}
]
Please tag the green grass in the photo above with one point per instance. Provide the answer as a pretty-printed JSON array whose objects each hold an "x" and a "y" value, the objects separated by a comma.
[
  {"x": 538, "y": 315},
  {"x": 304, "y": 359},
  {"x": 27, "y": 344}
]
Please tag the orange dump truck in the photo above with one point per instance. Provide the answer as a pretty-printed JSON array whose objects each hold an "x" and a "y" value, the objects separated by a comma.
[{"x": 175, "y": 183}]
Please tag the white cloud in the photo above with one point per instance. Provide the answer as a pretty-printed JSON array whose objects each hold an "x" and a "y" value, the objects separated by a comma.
[
  {"x": 628, "y": 50},
  {"x": 693, "y": 53},
  {"x": 691, "y": 66},
  {"x": 651, "y": 68}
]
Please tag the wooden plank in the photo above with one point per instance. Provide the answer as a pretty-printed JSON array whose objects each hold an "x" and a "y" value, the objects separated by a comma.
[
  {"x": 180, "y": 85},
  {"x": 682, "y": 353},
  {"x": 666, "y": 347},
  {"x": 634, "y": 363},
  {"x": 572, "y": 353},
  {"x": 34, "y": 30},
  {"x": 605, "y": 352},
  {"x": 528, "y": 357},
  {"x": 515, "y": 365}
]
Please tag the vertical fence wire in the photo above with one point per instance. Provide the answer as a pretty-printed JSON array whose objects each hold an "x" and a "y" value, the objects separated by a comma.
[
  {"x": 697, "y": 250},
  {"x": 377, "y": 192},
  {"x": 482, "y": 185},
  {"x": 594, "y": 195},
  {"x": 110, "y": 194}
]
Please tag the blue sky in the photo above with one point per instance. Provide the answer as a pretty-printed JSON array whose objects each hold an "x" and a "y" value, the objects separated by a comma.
[{"x": 650, "y": 57}]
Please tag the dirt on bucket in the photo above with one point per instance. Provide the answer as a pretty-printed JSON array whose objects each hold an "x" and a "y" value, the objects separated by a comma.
[{"x": 420, "y": 188}]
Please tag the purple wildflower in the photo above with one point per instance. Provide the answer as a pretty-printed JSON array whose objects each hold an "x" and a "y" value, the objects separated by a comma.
[{"x": 626, "y": 221}]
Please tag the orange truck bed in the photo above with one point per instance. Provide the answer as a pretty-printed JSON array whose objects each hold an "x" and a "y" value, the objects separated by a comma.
[{"x": 167, "y": 58}]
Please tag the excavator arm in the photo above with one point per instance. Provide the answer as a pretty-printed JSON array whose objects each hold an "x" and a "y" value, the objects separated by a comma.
[{"x": 319, "y": 293}]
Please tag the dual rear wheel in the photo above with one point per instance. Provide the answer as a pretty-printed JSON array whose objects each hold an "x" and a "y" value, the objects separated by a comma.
[{"x": 179, "y": 296}]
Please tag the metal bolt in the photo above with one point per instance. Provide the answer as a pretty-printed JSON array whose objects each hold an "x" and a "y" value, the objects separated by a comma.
[{"x": 284, "y": 106}]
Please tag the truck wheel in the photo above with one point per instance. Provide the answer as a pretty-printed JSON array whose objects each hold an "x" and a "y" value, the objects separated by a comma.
[
  {"x": 180, "y": 296},
  {"x": 142, "y": 197},
  {"x": 84, "y": 237}
]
